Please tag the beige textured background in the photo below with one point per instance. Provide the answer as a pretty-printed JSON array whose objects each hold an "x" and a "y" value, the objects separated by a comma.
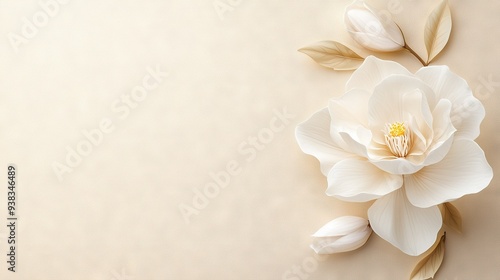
[{"x": 116, "y": 215}]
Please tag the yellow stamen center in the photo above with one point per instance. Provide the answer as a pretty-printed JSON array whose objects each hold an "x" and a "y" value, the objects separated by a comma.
[
  {"x": 397, "y": 129},
  {"x": 398, "y": 138}
]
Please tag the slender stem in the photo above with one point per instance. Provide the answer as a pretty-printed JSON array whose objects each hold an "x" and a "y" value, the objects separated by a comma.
[{"x": 415, "y": 54}]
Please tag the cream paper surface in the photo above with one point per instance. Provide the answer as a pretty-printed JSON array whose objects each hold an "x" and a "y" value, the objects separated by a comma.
[{"x": 217, "y": 80}]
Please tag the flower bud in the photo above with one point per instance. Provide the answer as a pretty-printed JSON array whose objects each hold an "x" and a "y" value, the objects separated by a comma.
[
  {"x": 341, "y": 235},
  {"x": 370, "y": 30}
]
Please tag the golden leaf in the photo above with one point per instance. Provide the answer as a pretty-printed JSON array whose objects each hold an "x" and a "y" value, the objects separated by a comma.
[
  {"x": 333, "y": 55},
  {"x": 430, "y": 264},
  {"x": 437, "y": 30},
  {"x": 451, "y": 216}
]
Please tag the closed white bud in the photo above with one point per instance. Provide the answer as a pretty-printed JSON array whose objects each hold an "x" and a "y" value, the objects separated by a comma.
[
  {"x": 343, "y": 234},
  {"x": 371, "y": 31}
]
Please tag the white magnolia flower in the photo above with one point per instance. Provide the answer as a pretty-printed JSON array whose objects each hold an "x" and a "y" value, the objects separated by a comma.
[
  {"x": 370, "y": 30},
  {"x": 404, "y": 139},
  {"x": 341, "y": 235}
]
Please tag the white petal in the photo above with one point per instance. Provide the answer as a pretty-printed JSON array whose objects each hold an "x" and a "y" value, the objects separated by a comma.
[
  {"x": 341, "y": 226},
  {"x": 381, "y": 42},
  {"x": 397, "y": 166},
  {"x": 443, "y": 131},
  {"x": 354, "y": 145},
  {"x": 350, "y": 109},
  {"x": 331, "y": 245},
  {"x": 313, "y": 137},
  {"x": 349, "y": 114},
  {"x": 372, "y": 72},
  {"x": 377, "y": 151},
  {"x": 420, "y": 141},
  {"x": 467, "y": 112},
  {"x": 398, "y": 98},
  {"x": 411, "y": 229},
  {"x": 362, "y": 20},
  {"x": 463, "y": 171},
  {"x": 370, "y": 30},
  {"x": 392, "y": 30},
  {"x": 360, "y": 181}
]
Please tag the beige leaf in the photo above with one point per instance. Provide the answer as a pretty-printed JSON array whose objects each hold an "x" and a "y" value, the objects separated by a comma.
[
  {"x": 430, "y": 264},
  {"x": 437, "y": 30},
  {"x": 451, "y": 216},
  {"x": 333, "y": 55}
]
